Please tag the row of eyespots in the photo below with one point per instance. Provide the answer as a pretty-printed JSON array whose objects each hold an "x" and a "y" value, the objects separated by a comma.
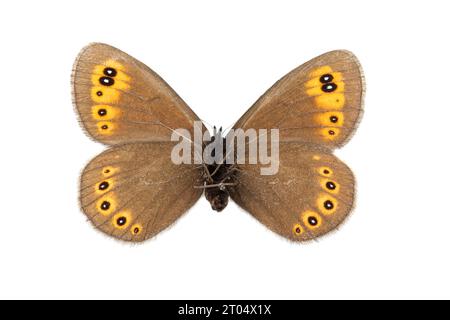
[
  {"x": 105, "y": 112},
  {"x": 109, "y": 81},
  {"x": 326, "y": 87},
  {"x": 108, "y": 204},
  {"x": 326, "y": 203}
]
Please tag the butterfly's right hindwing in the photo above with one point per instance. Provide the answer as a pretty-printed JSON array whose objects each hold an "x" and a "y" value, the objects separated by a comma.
[{"x": 311, "y": 195}]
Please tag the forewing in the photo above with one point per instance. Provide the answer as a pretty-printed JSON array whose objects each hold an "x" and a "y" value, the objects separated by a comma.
[
  {"x": 119, "y": 99},
  {"x": 319, "y": 102}
]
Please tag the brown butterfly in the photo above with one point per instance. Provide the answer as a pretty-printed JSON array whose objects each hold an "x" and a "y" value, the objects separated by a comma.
[{"x": 133, "y": 190}]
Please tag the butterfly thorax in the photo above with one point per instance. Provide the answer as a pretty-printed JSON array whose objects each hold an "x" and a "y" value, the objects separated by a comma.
[{"x": 218, "y": 180}]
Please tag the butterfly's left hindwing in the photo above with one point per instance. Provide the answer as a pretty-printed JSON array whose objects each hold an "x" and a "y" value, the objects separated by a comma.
[
  {"x": 312, "y": 193},
  {"x": 119, "y": 99},
  {"x": 134, "y": 191}
]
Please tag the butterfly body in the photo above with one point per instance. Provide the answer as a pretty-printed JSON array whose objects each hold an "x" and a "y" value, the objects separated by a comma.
[
  {"x": 219, "y": 177},
  {"x": 135, "y": 189}
]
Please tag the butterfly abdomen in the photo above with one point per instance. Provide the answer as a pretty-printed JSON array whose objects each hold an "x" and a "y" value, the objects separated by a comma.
[{"x": 217, "y": 197}]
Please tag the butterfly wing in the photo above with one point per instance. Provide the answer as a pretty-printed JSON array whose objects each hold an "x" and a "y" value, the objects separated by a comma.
[
  {"x": 319, "y": 102},
  {"x": 119, "y": 99},
  {"x": 134, "y": 191},
  {"x": 316, "y": 108},
  {"x": 311, "y": 194}
]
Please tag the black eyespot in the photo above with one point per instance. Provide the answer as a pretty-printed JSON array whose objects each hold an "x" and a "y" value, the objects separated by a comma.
[
  {"x": 103, "y": 186},
  {"x": 106, "y": 81},
  {"x": 328, "y": 205},
  {"x": 326, "y": 78},
  {"x": 326, "y": 171},
  {"x": 136, "y": 230},
  {"x": 102, "y": 112},
  {"x": 107, "y": 171},
  {"x": 330, "y": 185},
  {"x": 99, "y": 93},
  {"x": 104, "y": 127},
  {"x": 110, "y": 72},
  {"x": 334, "y": 119},
  {"x": 313, "y": 221},
  {"x": 121, "y": 221},
  {"x": 331, "y": 132},
  {"x": 329, "y": 87},
  {"x": 105, "y": 205},
  {"x": 298, "y": 230}
]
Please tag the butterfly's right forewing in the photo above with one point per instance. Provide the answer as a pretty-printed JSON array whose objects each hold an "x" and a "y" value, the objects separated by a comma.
[{"x": 319, "y": 102}]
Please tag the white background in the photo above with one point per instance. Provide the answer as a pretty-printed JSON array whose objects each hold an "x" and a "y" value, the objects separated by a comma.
[{"x": 220, "y": 56}]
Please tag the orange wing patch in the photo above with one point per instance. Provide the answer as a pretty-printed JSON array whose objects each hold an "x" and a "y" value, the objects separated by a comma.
[
  {"x": 109, "y": 82},
  {"x": 328, "y": 89}
]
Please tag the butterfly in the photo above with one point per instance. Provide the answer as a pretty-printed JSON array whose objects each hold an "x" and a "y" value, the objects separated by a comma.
[{"x": 132, "y": 191}]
